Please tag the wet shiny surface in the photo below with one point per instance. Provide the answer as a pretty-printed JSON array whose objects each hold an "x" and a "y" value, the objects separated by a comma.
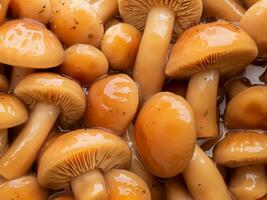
[
  {"x": 165, "y": 134},
  {"x": 115, "y": 99},
  {"x": 3, "y": 9},
  {"x": 125, "y": 185},
  {"x": 176, "y": 190}
]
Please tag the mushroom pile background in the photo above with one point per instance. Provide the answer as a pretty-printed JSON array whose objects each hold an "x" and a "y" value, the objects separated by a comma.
[{"x": 133, "y": 100}]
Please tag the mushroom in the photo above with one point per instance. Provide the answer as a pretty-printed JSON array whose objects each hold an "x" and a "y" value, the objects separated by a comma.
[
  {"x": 250, "y": 103},
  {"x": 3, "y": 80},
  {"x": 51, "y": 96},
  {"x": 115, "y": 100},
  {"x": 12, "y": 113},
  {"x": 23, "y": 188},
  {"x": 63, "y": 197},
  {"x": 239, "y": 149},
  {"x": 165, "y": 134},
  {"x": 249, "y": 3},
  {"x": 159, "y": 19},
  {"x": 113, "y": 21},
  {"x": 3, "y": 10},
  {"x": 36, "y": 9},
  {"x": 18, "y": 73},
  {"x": 120, "y": 44},
  {"x": 235, "y": 86},
  {"x": 79, "y": 158},
  {"x": 76, "y": 21},
  {"x": 203, "y": 53},
  {"x": 178, "y": 87},
  {"x": 203, "y": 179},
  {"x": 175, "y": 190},
  {"x": 254, "y": 23},
  {"x": 84, "y": 63},
  {"x": 230, "y": 10},
  {"x": 249, "y": 182}
]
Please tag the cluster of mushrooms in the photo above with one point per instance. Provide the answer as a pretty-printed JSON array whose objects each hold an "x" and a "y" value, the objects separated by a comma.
[{"x": 133, "y": 100}]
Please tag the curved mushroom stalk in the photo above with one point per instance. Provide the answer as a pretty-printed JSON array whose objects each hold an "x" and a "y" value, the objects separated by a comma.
[
  {"x": 153, "y": 49},
  {"x": 201, "y": 174},
  {"x": 18, "y": 73},
  {"x": 3, "y": 9},
  {"x": 105, "y": 9},
  {"x": 175, "y": 190},
  {"x": 202, "y": 96},
  {"x": 248, "y": 183},
  {"x": 3, "y": 141}
]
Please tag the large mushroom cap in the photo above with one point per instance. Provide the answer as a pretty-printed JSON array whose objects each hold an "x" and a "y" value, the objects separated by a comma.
[
  {"x": 187, "y": 13},
  {"x": 28, "y": 43},
  {"x": 78, "y": 152},
  {"x": 55, "y": 89},
  {"x": 220, "y": 45},
  {"x": 241, "y": 148},
  {"x": 24, "y": 188},
  {"x": 248, "y": 109},
  {"x": 12, "y": 112}
]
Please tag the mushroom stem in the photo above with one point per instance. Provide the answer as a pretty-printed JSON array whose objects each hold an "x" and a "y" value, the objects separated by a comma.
[
  {"x": 19, "y": 73},
  {"x": 3, "y": 140},
  {"x": 105, "y": 9},
  {"x": 202, "y": 96},
  {"x": 153, "y": 49},
  {"x": 3, "y": 9},
  {"x": 90, "y": 185},
  {"x": 23, "y": 151}
]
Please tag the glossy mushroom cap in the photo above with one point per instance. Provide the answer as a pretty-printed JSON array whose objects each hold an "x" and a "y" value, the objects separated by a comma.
[
  {"x": 115, "y": 99},
  {"x": 187, "y": 13},
  {"x": 12, "y": 112},
  {"x": 36, "y": 9},
  {"x": 120, "y": 44},
  {"x": 165, "y": 134},
  {"x": 84, "y": 63},
  {"x": 76, "y": 21},
  {"x": 24, "y": 188},
  {"x": 219, "y": 45},
  {"x": 241, "y": 149},
  {"x": 29, "y": 44},
  {"x": 254, "y": 23},
  {"x": 78, "y": 152},
  {"x": 248, "y": 109},
  {"x": 55, "y": 89}
]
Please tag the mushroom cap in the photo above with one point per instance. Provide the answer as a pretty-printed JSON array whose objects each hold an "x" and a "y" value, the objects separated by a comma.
[
  {"x": 84, "y": 63},
  {"x": 3, "y": 83},
  {"x": 27, "y": 43},
  {"x": 63, "y": 198},
  {"x": 176, "y": 190},
  {"x": 219, "y": 45},
  {"x": 240, "y": 149},
  {"x": 12, "y": 112},
  {"x": 55, "y": 89},
  {"x": 23, "y": 188},
  {"x": 248, "y": 109},
  {"x": 188, "y": 13},
  {"x": 254, "y": 23},
  {"x": 78, "y": 152},
  {"x": 119, "y": 180},
  {"x": 165, "y": 134}
]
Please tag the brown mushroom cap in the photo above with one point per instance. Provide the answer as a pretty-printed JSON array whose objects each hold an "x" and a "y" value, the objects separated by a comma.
[
  {"x": 3, "y": 83},
  {"x": 241, "y": 148},
  {"x": 55, "y": 89},
  {"x": 187, "y": 13},
  {"x": 219, "y": 45},
  {"x": 24, "y": 188},
  {"x": 78, "y": 152},
  {"x": 254, "y": 22},
  {"x": 248, "y": 109},
  {"x": 12, "y": 112},
  {"x": 29, "y": 44},
  {"x": 84, "y": 63}
]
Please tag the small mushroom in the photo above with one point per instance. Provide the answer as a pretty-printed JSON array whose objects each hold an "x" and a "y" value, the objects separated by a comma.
[
  {"x": 241, "y": 149},
  {"x": 165, "y": 134},
  {"x": 159, "y": 19},
  {"x": 255, "y": 24},
  {"x": 247, "y": 110},
  {"x": 235, "y": 86},
  {"x": 249, "y": 182},
  {"x": 203, "y": 179},
  {"x": 18, "y": 73},
  {"x": 39, "y": 10},
  {"x": 76, "y": 21},
  {"x": 230, "y": 10},
  {"x": 113, "y": 21},
  {"x": 3, "y": 9},
  {"x": 4, "y": 85},
  {"x": 249, "y": 3},
  {"x": 77, "y": 158},
  {"x": 115, "y": 99},
  {"x": 175, "y": 190},
  {"x": 12, "y": 113},
  {"x": 203, "y": 53},
  {"x": 84, "y": 63},
  {"x": 120, "y": 44},
  {"x": 51, "y": 96},
  {"x": 23, "y": 188}
]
